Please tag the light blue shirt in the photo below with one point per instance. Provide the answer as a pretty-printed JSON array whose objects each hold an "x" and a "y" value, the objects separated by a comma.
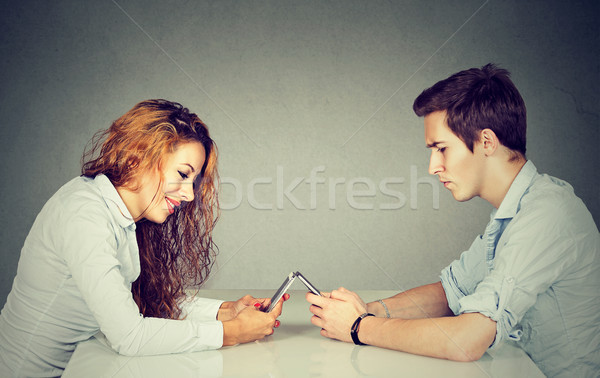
[
  {"x": 74, "y": 279},
  {"x": 536, "y": 272}
]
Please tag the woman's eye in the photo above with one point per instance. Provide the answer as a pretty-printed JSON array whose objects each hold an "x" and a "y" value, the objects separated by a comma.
[
  {"x": 441, "y": 149},
  {"x": 183, "y": 175}
]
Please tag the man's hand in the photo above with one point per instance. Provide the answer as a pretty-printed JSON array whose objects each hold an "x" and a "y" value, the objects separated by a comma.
[
  {"x": 335, "y": 312},
  {"x": 429, "y": 329}
]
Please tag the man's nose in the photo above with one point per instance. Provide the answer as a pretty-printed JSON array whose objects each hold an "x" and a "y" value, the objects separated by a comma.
[{"x": 435, "y": 163}]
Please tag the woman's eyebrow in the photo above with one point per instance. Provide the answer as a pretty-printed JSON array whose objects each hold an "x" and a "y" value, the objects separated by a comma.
[{"x": 189, "y": 165}]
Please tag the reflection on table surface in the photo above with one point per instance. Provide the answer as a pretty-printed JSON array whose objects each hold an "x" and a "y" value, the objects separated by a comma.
[{"x": 295, "y": 350}]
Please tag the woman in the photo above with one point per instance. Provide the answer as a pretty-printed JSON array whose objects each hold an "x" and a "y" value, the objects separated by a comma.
[{"x": 114, "y": 250}]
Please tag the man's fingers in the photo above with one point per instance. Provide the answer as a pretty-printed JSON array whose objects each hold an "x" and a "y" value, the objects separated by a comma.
[
  {"x": 316, "y": 310},
  {"x": 317, "y": 321},
  {"x": 341, "y": 294},
  {"x": 316, "y": 300},
  {"x": 345, "y": 295}
]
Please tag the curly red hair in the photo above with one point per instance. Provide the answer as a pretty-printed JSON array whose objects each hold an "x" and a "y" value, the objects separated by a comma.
[{"x": 180, "y": 252}]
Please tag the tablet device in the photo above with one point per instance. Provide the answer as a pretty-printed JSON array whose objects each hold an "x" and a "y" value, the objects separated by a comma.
[
  {"x": 282, "y": 289},
  {"x": 308, "y": 284}
]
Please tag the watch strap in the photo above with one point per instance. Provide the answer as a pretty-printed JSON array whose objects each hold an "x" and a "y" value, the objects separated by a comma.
[{"x": 355, "y": 328}]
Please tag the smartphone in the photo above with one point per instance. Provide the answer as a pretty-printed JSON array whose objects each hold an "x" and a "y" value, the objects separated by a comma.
[
  {"x": 282, "y": 289},
  {"x": 308, "y": 284}
]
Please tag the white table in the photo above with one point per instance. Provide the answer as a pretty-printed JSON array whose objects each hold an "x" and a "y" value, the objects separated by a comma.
[{"x": 296, "y": 349}]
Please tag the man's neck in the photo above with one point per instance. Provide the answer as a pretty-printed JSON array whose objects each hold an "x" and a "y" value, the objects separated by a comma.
[{"x": 501, "y": 177}]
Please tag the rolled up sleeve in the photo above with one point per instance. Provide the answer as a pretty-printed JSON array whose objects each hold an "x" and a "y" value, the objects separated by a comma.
[
  {"x": 461, "y": 277},
  {"x": 528, "y": 261}
]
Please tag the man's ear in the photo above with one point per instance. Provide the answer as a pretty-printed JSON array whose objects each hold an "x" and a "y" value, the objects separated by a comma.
[{"x": 489, "y": 141}]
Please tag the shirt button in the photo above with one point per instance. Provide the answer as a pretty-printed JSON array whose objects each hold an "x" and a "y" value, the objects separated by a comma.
[{"x": 510, "y": 280}]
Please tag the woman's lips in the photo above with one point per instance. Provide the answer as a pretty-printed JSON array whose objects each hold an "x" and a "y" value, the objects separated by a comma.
[{"x": 171, "y": 204}]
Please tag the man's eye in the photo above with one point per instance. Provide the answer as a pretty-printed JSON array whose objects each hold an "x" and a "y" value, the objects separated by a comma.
[{"x": 183, "y": 175}]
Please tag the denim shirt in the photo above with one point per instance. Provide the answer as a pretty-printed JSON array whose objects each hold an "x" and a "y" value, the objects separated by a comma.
[{"x": 536, "y": 272}]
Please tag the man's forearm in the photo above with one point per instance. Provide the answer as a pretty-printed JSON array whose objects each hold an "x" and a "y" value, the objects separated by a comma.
[
  {"x": 421, "y": 302},
  {"x": 459, "y": 338}
]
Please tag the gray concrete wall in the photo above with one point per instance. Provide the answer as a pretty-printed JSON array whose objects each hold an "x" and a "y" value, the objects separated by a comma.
[{"x": 289, "y": 88}]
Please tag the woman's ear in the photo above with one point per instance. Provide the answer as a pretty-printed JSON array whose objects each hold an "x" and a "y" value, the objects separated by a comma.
[{"x": 489, "y": 141}]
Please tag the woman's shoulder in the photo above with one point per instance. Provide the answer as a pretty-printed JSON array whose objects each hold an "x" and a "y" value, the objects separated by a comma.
[
  {"x": 80, "y": 189},
  {"x": 81, "y": 195},
  {"x": 76, "y": 208}
]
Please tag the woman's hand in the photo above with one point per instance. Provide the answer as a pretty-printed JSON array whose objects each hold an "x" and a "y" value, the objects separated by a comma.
[
  {"x": 248, "y": 322},
  {"x": 335, "y": 312},
  {"x": 230, "y": 310}
]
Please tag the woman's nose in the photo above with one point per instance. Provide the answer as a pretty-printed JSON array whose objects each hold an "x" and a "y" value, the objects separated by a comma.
[{"x": 187, "y": 192}]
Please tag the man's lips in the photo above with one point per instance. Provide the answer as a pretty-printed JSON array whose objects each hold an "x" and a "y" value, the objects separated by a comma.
[{"x": 445, "y": 182}]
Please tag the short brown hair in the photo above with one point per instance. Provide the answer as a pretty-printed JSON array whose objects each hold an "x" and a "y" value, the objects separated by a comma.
[{"x": 477, "y": 99}]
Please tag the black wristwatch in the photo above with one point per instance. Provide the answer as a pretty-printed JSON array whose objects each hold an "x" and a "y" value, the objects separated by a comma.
[{"x": 355, "y": 326}]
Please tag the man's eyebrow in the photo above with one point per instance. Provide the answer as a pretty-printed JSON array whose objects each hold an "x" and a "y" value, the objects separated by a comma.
[{"x": 434, "y": 144}]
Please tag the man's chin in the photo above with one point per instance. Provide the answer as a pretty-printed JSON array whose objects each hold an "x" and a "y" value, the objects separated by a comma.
[{"x": 460, "y": 197}]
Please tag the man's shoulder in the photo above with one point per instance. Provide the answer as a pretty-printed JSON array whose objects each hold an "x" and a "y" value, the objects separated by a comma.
[
  {"x": 545, "y": 188},
  {"x": 553, "y": 200}
]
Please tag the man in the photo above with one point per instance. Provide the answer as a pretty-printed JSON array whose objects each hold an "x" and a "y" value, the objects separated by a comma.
[{"x": 533, "y": 276}]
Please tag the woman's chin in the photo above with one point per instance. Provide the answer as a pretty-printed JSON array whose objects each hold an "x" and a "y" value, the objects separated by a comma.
[{"x": 159, "y": 219}]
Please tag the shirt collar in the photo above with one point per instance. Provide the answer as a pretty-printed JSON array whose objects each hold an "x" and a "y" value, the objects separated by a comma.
[
  {"x": 114, "y": 201},
  {"x": 510, "y": 204}
]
